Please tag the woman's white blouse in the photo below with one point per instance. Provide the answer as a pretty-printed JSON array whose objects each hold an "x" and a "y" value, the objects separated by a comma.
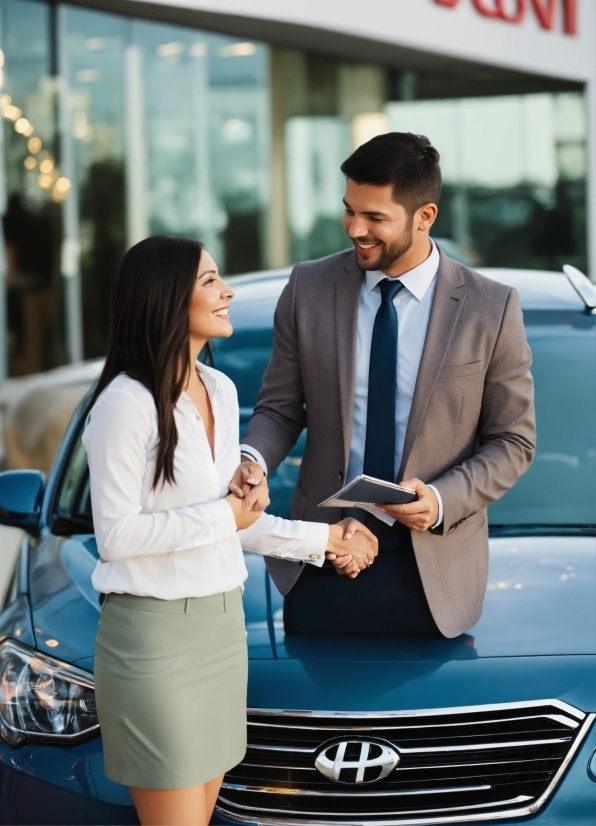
[{"x": 177, "y": 540}]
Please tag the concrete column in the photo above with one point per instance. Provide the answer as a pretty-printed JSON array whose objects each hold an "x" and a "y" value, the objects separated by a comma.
[
  {"x": 362, "y": 97},
  {"x": 204, "y": 194},
  {"x": 278, "y": 246},
  {"x": 3, "y": 266},
  {"x": 70, "y": 263},
  {"x": 590, "y": 103},
  {"x": 135, "y": 141}
]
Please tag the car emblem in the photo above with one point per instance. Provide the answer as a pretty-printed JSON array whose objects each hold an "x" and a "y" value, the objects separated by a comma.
[{"x": 357, "y": 761}]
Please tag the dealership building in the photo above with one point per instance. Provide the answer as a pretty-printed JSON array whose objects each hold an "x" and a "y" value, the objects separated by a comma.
[{"x": 227, "y": 120}]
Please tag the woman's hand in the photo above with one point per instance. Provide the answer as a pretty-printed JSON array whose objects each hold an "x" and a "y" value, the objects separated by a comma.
[
  {"x": 345, "y": 565},
  {"x": 351, "y": 537},
  {"x": 245, "y": 513}
]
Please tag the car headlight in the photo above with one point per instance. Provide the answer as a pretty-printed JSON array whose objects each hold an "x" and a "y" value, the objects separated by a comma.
[{"x": 43, "y": 699}]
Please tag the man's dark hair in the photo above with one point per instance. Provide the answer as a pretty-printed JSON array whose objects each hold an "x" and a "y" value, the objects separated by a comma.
[{"x": 407, "y": 162}]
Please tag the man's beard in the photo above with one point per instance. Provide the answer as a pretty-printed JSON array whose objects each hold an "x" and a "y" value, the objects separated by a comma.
[{"x": 391, "y": 254}]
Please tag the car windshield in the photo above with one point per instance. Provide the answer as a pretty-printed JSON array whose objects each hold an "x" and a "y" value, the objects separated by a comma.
[
  {"x": 558, "y": 489},
  {"x": 560, "y": 486}
]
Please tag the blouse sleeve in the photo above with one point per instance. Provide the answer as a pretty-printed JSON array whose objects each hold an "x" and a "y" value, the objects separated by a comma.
[
  {"x": 116, "y": 439},
  {"x": 287, "y": 539}
]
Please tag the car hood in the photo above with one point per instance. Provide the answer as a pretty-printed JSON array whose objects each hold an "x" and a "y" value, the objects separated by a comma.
[{"x": 539, "y": 603}]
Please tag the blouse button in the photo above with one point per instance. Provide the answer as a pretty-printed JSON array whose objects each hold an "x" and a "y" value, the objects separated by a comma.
[{"x": 198, "y": 418}]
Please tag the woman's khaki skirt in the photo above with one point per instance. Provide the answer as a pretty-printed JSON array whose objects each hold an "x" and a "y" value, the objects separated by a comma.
[{"x": 170, "y": 685}]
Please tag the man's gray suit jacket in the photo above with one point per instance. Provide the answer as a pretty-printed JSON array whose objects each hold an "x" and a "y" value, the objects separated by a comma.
[{"x": 471, "y": 430}]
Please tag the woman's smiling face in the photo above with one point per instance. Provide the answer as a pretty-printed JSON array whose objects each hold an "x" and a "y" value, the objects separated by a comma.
[{"x": 209, "y": 315}]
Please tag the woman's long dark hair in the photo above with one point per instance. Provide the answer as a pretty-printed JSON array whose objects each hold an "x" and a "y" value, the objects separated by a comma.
[{"x": 149, "y": 330}]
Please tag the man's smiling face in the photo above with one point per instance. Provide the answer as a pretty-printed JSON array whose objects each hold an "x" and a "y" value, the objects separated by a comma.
[{"x": 380, "y": 228}]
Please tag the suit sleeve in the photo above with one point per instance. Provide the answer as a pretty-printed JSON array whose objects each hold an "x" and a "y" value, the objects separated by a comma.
[
  {"x": 506, "y": 431},
  {"x": 279, "y": 416}
]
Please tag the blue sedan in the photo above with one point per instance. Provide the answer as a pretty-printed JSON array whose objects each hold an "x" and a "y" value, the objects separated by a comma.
[{"x": 496, "y": 725}]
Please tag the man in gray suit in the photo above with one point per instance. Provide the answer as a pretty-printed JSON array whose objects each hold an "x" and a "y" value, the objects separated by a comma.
[{"x": 407, "y": 366}]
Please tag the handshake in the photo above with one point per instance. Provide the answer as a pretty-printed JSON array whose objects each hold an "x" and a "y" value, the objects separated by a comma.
[{"x": 351, "y": 547}]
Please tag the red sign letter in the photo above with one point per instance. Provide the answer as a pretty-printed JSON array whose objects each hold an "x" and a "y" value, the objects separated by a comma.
[
  {"x": 499, "y": 11},
  {"x": 544, "y": 9},
  {"x": 545, "y": 12}
]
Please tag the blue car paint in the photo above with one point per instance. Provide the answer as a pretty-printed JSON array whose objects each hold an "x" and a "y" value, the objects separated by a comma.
[{"x": 534, "y": 641}]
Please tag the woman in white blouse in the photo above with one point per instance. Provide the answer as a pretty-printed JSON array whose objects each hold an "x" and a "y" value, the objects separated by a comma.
[{"x": 162, "y": 443}]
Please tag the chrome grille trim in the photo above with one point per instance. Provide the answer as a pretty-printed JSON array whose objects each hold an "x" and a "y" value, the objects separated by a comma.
[
  {"x": 484, "y": 746},
  {"x": 514, "y": 806},
  {"x": 486, "y": 763},
  {"x": 296, "y": 749},
  {"x": 433, "y": 749},
  {"x": 558, "y": 718},
  {"x": 396, "y": 793},
  {"x": 519, "y": 799},
  {"x": 417, "y": 712}
]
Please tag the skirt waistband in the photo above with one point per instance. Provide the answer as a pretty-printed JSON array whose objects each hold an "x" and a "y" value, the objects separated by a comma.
[{"x": 213, "y": 604}]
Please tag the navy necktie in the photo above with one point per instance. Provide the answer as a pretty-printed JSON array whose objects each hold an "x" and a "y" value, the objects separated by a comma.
[{"x": 379, "y": 450}]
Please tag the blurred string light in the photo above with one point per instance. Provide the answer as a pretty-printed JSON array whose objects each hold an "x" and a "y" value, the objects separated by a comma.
[
  {"x": 23, "y": 127},
  {"x": 9, "y": 110},
  {"x": 49, "y": 178},
  {"x": 237, "y": 50}
]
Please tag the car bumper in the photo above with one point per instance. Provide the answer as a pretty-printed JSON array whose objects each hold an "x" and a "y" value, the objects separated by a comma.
[{"x": 54, "y": 785}]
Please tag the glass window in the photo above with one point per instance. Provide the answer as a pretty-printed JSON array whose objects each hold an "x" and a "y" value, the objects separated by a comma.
[
  {"x": 73, "y": 505},
  {"x": 315, "y": 149},
  {"x": 514, "y": 172},
  {"x": 75, "y": 471},
  {"x": 32, "y": 221},
  {"x": 514, "y": 166},
  {"x": 94, "y": 57},
  {"x": 170, "y": 129},
  {"x": 206, "y": 129}
]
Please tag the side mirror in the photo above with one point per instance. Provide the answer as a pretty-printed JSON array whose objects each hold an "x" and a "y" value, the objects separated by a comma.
[{"x": 21, "y": 494}]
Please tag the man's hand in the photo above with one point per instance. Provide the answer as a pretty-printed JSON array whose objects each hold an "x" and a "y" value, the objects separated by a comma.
[
  {"x": 419, "y": 515},
  {"x": 351, "y": 537},
  {"x": 249, "y": 482}
]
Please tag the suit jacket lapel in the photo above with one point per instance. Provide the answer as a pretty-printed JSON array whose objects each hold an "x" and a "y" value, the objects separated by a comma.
[
  {"x": 347, "y": 296},
  {"x": 446, "y": 307}
]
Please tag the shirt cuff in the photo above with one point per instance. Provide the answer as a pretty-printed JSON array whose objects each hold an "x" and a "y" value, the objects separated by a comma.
[
  {"x": 440, "y": 501},
  {"x": 254, "y": 455},
  {"x": 224, "y": 521},
  {"x": 314, "y": 544}
]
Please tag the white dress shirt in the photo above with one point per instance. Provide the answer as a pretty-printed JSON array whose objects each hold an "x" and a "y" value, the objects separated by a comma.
[
  {"x": 178, "y": 540},
  {"x": 413, "y": 306}
]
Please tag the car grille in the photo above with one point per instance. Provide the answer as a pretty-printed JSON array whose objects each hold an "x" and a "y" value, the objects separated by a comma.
[{"x": 454, "y": 764}]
